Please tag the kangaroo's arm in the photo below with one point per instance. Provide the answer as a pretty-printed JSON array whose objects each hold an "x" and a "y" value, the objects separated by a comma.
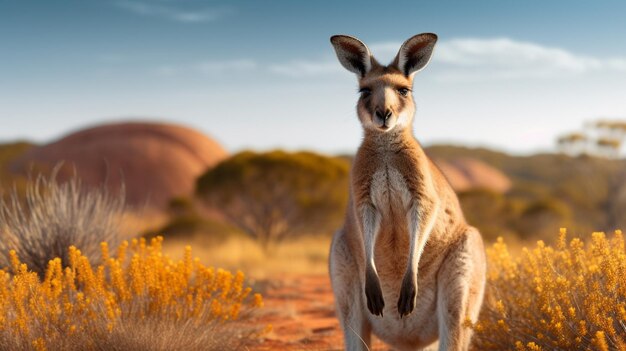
[
  {"x": 368, "y": 219},
  {"x": 421, "y": 218}
]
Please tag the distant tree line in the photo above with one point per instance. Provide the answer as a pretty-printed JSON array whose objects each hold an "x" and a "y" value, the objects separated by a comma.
[{"x": 274, "y": 196}]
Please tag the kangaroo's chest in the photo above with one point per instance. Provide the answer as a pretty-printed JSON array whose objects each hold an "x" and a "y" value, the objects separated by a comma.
[{"x": 389, "y": 192}]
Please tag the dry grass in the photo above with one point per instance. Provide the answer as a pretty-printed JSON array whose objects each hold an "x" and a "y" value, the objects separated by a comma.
[
  {"x": 56, "y": 216},
  {"x": 140, "y": 334}
]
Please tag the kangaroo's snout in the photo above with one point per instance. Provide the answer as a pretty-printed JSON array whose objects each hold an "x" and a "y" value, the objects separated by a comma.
[{"x": 383, "y": 118}]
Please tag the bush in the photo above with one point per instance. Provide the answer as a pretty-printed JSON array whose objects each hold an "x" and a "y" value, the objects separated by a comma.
[
  {"x": 542, "y": 218},
  {"x": 568, "y": 297},
  {"x": 189, "y": 221},
  {"x": 192, "y": 225},
  {"x": 273, "y": 195},
  {"x": 491, "y": 212},
  {"x": 56, "y": 216},
  {"x": 181, "y": 205},
  {"x": 137, "y": 299}
]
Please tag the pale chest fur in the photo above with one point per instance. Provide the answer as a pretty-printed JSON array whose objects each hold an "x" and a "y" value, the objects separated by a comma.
[{"x": 389, "y": 193}]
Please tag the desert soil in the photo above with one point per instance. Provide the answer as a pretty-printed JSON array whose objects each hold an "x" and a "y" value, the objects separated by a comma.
[{"x": 301, "y": 311}]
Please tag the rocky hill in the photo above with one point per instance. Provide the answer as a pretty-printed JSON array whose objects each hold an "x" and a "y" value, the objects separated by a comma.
[
  {"x": 155, "y": 161},
  {"x": 466, "y": 173}
]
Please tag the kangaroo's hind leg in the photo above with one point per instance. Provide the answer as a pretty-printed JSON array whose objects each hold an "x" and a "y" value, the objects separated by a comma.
[
  {"x": 348, "y": 296},
  {"x": 461, "y": 284}
]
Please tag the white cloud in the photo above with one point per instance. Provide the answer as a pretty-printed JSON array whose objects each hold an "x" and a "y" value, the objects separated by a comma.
[
  {"x": 617, "y": 64},
  {"x": 504, "y": 52},
  {"x": 504, "y": 58},
  {"x": 171, "y": 13},
  {"x": 477, "y": 59},
  {"x": 208, "y": 67}
]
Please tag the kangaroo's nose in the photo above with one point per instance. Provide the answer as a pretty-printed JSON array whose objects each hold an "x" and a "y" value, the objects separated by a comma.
[{"x": 383, "y": 115}]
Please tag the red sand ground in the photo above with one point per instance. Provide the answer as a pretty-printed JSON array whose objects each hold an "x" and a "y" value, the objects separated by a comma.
[{"x": 302, "y": 314}]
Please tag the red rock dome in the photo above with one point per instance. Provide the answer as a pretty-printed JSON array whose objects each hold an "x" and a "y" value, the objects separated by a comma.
[
  {"x": 155, "y": 161},
  {"x": 469, "y": 173}
]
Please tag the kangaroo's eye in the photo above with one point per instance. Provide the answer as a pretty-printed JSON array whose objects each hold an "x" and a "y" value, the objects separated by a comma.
[
  {"x": 365, "y": 92},
  {"x": 403, "y": 91}
]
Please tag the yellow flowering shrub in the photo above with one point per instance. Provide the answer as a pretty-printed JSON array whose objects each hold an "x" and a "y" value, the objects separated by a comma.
[
  {"x": 134, "y": 285},
  {"x": 568, "y": 297}
]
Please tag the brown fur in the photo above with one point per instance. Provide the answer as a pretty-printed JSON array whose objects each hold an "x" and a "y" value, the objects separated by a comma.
[{"x": 405, "y": 266}]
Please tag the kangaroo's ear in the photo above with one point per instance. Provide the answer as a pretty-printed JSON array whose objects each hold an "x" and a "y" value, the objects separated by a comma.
[
  {"x": 415, "y": 53},
  {"x": 352, "y": 53}
]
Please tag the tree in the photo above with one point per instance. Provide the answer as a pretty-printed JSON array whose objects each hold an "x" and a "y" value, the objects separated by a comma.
[
  {"x": 609, "y": 147},
  {"x": 273, "y": 195},
  {"x": 613, "y": 129},
  {"x": 573, "y": 143},
  {"x": 602, "y": 138}
]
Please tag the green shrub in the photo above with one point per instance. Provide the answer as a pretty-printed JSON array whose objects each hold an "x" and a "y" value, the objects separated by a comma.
[{"x": 276, "y": 194}]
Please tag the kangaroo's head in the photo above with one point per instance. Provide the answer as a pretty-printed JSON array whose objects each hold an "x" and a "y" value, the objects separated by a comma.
[{"x": 386, "y": 101}]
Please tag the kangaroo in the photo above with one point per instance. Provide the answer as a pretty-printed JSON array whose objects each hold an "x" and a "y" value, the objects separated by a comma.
[{"x": 405, "y": 266}]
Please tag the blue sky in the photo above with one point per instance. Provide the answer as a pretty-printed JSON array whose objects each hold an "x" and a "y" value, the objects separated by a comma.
[{"x": 262, "y": 74}]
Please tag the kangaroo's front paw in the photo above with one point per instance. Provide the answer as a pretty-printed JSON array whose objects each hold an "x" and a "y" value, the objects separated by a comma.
[
  {"x": 374, "y": 295},
  {"x": 408, "y": 296}
]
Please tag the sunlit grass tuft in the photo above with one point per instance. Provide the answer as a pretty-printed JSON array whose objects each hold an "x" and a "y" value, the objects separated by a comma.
[{"x": 55, "y": 215}]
